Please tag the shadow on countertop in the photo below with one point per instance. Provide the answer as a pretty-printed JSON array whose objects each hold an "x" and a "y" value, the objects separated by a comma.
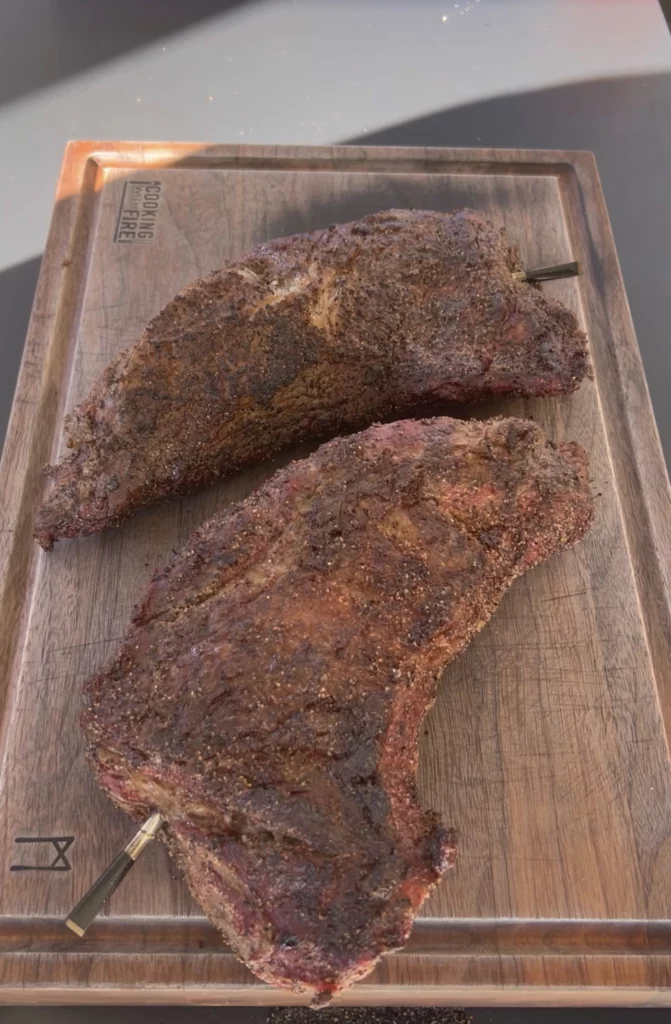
[
  {"x": 54, "y": 39},
  {"x": 17, "y": 289}
]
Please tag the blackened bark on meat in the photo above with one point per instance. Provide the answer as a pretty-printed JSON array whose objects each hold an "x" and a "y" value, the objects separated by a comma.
[
  {"x": 268, "y": 696},
  {"x": 305, "y": 337}
]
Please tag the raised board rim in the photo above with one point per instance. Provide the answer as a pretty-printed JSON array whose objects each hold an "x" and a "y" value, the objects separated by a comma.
[{"x": 29, "y": 970}]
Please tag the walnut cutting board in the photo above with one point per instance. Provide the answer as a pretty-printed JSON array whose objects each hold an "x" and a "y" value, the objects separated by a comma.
[{"x": 547, "y": 747}]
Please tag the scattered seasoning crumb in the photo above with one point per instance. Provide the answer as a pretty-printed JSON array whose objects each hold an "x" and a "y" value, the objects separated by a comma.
[{"x": 368, "y": 1015}]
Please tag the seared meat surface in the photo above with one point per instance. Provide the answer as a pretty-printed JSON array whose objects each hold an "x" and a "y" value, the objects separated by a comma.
[
  {"x": 268, "y": 696},
  {"x": 305, "y": 337}
]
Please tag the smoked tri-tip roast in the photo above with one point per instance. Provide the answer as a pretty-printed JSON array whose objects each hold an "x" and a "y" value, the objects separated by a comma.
[
  {"x": 305, "y": 337},
  {"x": 268, "y": 695}
]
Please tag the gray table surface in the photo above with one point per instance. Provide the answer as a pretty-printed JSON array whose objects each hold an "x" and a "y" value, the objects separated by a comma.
[{"x": 576, "y": 74}]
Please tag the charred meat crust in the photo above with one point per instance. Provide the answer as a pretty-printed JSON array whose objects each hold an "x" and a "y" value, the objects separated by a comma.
[
  {"x": 305, "y": 337},
  {"x": 270, "y": 690}
]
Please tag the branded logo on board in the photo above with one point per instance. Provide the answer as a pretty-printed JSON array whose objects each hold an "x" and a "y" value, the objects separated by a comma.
[
  {"x": 138, "y": 211},
  {"x": 59, "y": 844}
]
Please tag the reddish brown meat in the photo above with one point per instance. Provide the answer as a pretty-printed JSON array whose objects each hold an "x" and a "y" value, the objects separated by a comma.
[
  {"x": 305, "y": 337},
  {"x": 269, "y": 693}
]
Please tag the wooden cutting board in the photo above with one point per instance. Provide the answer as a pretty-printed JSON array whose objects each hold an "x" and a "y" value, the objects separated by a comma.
[{"x": 547, "y": 747}]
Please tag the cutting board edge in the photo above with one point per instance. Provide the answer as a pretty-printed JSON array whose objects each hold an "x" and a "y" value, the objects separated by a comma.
[
  {"x": 30, "y": 980},
  {"x": 640, "y": 471},
  {"x": 38, "y": 405}
]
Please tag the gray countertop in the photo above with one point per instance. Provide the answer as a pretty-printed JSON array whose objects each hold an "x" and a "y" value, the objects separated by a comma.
[{"x": 576, "y": 74}]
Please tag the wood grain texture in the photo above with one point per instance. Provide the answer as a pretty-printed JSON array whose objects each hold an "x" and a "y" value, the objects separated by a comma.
[{"x": 548, "y": 745}]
